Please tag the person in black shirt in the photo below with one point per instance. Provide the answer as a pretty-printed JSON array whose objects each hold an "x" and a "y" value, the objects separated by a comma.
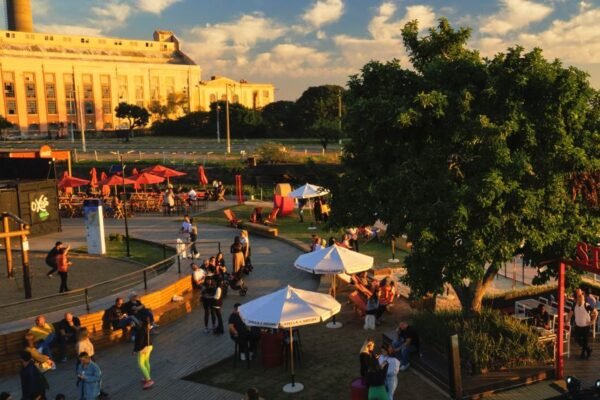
[
  {"x": 541, "y": 318},
  {"x": 366, "y": 356},
  {"x": 51, "y": 259},
  {"x": 376, "y": 375},
  {"x": 245, "y": 338},
  {"x": 117, "y": 317},
  {"x": 406, "y": 344},
  {"x": 68, "y": 332},
  {"x": 33, "y": 383}
]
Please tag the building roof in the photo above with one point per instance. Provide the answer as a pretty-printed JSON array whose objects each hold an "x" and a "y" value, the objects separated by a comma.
[
  {"x": 223, "y": 80},
  {"x": 69, "y": 47}
]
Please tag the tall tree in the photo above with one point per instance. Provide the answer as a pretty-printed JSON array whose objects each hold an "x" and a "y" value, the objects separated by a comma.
[
  {"x": 319, "y": 110},
  {"x": 280, "y": 117},
  {"x": 473, "y": 159},
  {"x": 136, "y": 116},
  {"x": 4, "y": 124}
]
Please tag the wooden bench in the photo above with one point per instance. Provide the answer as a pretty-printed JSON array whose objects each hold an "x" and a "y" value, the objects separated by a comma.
[
  {"x": 360, "y": 307},
  {"x": 160, "y": 302},
  {"x": 262, "y": 230}
]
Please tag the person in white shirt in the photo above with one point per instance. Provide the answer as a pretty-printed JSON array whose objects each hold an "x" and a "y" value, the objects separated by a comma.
[
  {"x": 584, "y": 318},
  {"x": 198, "y": 276},
  {"x": 192, "y": 194},
  {"x": 391, "y": 379}
]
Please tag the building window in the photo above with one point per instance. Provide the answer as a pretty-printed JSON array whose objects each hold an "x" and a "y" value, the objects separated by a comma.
[
  {"x": 266, "y": 94},
  {"x": 170, "y": 83},
  {"x": 236, "y": 98},
  {"x": 34, "y": 128},
  {"x": 106, "y": 107},
  {"x": 223, "y": 97},
  {"x": 139, "y": 89},
  {"x": 89, "y": 124},
  {"x": 155, "y": 88},
  {"x": 11, "y": 107},
  {"x": 9, "y": 89},
  {"x": 213, "y": 98},
  {"x": 108, "y": 125},
  {"x": 123, "y": 88},
  {"x": 52, "y": 107},
  {"x": 88, "y": 106},
  {"x": 32, "y": 107},
  {"x": 50, "y": 90}
]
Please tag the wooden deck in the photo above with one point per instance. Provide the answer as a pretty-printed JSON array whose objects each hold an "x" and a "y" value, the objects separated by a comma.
[{"x": 587, "y": 371}]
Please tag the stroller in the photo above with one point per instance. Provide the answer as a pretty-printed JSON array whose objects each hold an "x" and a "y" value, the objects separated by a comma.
[{"x": 235, "y": 282}]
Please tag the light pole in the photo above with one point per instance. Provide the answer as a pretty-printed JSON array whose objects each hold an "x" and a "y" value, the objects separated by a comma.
[
  {"x": 218, "y": 123},
  {"x": 124, "y": 201},
  {"x": 227, "y": 118}
]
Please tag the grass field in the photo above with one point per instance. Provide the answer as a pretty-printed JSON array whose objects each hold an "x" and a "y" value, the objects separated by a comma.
[
  {"x": 291, "y": 228},
  {"x": 141, "y": 251}
]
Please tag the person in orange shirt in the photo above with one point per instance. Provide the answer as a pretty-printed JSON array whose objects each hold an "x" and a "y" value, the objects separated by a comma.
[
  {"x": 386, "y": 297},
  {"x": 63, "y": 268}
]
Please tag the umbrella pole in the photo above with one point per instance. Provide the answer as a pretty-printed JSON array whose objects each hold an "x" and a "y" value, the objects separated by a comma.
[
  {"x": 333, "y": 324},
  {"x": 393, "y": 260},
  {"x": 293, "y": 387}
]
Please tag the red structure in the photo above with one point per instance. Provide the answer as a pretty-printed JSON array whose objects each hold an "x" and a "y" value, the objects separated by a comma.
[
  {"x": 239, "y": 190},
  {"x": 587, "y": 258}
]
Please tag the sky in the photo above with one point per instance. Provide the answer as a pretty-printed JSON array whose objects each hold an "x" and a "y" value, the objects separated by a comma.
[{"x": 295, "y": 44}]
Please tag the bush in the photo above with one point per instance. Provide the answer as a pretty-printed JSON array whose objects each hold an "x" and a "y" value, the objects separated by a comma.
[
  {"x": 488, "y": 341},
  {"x": 272, "y": 153}
]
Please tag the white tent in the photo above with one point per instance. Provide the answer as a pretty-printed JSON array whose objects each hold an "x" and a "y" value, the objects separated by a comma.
[
  {"x": 308, "y": 191},
  {"x": 288, "y": 308},
  {"x": 334, "y": 260}
]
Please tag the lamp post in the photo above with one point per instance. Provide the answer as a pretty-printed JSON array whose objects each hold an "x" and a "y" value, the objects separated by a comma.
[
  {"x": 124, "y": 201},
  {"x": 227, "y": 118},
  {"x": 218, "y": 123}
]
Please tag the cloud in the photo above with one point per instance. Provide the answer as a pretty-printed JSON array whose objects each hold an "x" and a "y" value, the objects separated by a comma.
[
  {"x": 154, "y": 6},
  {"x": 40, "y": 8},
  {"x": 382, "y": 26},
  {"x": 324, "y": 12},
  {"x": 291, "y": 59},
  {"x": 514, "y": 15},
  {"x": 385, "y": 42},
  {"x": 228, "y": 44},
  {"x": 63, "y": 29},
  {"x": 111, "y": 15}
]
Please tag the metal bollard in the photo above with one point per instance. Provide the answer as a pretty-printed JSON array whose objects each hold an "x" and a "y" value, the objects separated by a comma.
[
  {"x": 87, "y": 300},
  {"x": 178, "y": 264},
  {"x": 145, "y": 281}
]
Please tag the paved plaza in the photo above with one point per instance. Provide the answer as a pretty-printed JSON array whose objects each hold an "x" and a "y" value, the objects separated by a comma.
[{"x": 181, "y": 348}]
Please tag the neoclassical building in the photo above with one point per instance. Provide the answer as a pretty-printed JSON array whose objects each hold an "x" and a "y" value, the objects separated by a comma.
[{"x": 52, "y": 82}]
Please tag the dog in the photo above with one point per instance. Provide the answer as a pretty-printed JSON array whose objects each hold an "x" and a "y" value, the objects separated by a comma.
[{"x": 369, "y": 322}]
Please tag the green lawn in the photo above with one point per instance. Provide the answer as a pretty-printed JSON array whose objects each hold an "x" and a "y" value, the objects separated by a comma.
[
  {"x": 143, "y": 252},
  {"x": 290, "y": 227}
]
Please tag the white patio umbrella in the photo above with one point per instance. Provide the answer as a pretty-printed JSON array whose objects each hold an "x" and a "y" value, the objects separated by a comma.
[
  {"x": 334, "y": 260},
  {"x": 308, "y": 191},
  {"x": 288, "y": 308}
]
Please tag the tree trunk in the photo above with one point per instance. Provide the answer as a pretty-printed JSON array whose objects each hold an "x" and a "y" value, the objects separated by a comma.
[{"x": 471, "y": 296}]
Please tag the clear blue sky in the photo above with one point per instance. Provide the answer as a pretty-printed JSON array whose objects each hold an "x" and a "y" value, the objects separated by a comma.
[{"x": 299, "y": 43}]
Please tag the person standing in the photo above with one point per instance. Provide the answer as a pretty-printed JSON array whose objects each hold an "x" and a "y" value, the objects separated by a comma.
[
  {"x": 583, "y": 322},
  {"x": 143, "y": 348},
  {"x": 391, "y": 379},
  {"x": 63, "y": 268},
  {"x": 366, "y": 357},
  {"x": 376, "y": 375},
  {"x": 318, "y": 210},
  {"x": 33, "y": 382},
  {"x": 51, "y": 259},
  {"x": 245, "y": 338},
  {"x": 301, "y": 205},
  {"x": 89, "y": 378},
  {"x": 245, "y": 241},
  {"x": 237, "y": 252},
  {"x": 217, "y": 301},
  {"x": 193, "y": 237},
  {"x": 208, "y": 292}
]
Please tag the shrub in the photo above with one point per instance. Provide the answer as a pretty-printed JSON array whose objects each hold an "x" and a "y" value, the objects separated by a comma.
[
  {"x": 487, "y": 341},
  {"x": 272, "y": 153}
]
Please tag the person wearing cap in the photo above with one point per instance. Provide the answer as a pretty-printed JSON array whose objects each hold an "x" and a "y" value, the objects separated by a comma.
[
  {"x": 239, "y": 332},
  {"x": 51, "y": 260}
]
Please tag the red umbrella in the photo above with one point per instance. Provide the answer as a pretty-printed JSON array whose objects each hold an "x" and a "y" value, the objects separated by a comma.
[
  {"x": 94, "y": 178},
  {"x": 146, "y": 178},
  {"x": 105, "y": 188},
  {"x": 114, "y": 180},
  {"x": 163, "y": 171},
  {"x": 202, "y": 176},
  {"x": 71, "y": 181}
]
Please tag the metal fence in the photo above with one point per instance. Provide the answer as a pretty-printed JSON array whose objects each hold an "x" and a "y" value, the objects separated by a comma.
[{"x": 85, "y": 296}]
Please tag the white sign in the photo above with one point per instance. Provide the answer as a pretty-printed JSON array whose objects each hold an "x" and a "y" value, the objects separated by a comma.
[{"x": 94, "y": 229}]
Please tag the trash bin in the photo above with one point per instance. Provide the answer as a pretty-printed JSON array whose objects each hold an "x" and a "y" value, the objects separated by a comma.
[
  {"x": 359, "y": 390},
  {"x": 271, "y": 349}
]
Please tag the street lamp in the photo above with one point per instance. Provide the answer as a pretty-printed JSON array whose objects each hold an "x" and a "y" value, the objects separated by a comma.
[
  {"x": 218, "y": 123},
  {"x": 124, "y": 201},
  {"x": 227, "y": 118}
]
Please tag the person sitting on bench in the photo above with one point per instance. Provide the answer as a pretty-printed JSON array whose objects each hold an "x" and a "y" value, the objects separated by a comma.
[{"x": 244, "y": 337}]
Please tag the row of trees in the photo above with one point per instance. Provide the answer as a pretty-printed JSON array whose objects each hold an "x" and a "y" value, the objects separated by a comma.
[{"x": 315, "y": 114}]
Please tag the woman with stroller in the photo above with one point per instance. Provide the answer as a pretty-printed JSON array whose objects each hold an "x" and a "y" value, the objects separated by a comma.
[
  {"x": 245, "y": 241},
  {"x": 237, "y": 252}
]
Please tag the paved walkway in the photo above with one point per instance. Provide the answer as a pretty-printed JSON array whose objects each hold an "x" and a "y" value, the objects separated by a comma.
[{"x": 188, "y": 349}]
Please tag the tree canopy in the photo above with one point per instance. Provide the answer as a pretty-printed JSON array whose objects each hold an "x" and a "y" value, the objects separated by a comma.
[
  {"x": 136, "y": 116},
  {"x": 318, "y": 109},
  {"x": 4, "y": 124},
  {"x": 474, "y": 159}
]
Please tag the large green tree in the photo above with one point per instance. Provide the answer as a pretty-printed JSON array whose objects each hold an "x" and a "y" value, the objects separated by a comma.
[
  {"x": 319, "y": 109},
  {"x": 281, "y": 118},
  {"x": 473, "y": 159}
]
